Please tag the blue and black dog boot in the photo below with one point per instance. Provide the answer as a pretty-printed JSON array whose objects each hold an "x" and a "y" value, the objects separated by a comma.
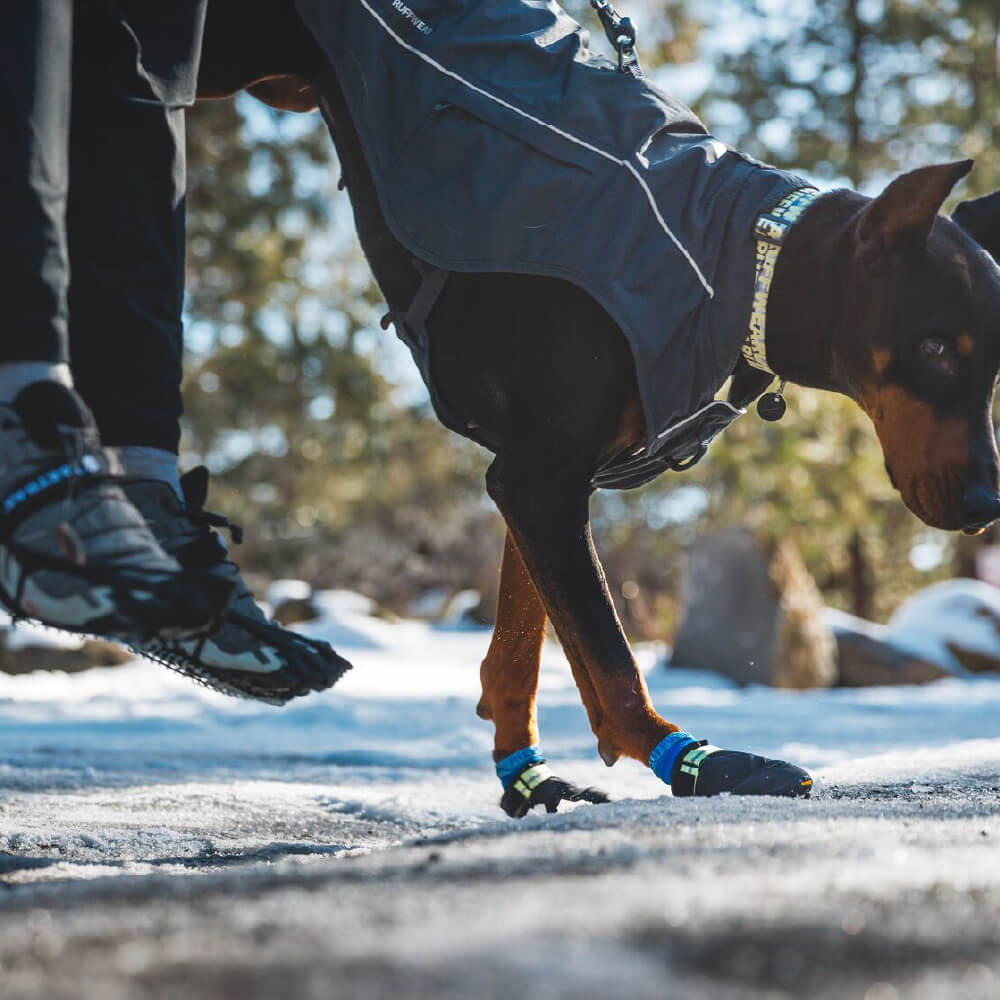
[{"x": 695, "y": 767}]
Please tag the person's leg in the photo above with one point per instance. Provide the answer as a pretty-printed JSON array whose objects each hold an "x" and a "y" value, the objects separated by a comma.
[
  {"x": 35, "y": 52},
  {"x": 126, "y": 239},
  {"x": 126, "y": 225},
  {"x": 74, "y": 552}
]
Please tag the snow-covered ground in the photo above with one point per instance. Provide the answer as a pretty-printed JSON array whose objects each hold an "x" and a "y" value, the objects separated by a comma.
[{"x": 157, "y": 839}]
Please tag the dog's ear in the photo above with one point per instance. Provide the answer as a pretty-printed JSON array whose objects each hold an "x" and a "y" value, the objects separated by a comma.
[
  {"x": 980, "y": 218},
  {"x": 902, "y": 215}
]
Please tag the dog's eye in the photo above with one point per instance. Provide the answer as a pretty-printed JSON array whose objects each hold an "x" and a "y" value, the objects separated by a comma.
[{"x": 937, "y": 354}]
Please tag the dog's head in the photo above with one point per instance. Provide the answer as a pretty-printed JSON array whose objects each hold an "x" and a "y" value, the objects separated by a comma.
[{"x": 920, "y": 344}]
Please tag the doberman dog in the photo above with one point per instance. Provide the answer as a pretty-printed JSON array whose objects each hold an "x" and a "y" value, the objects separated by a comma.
[{"x": 882, "y": 300}]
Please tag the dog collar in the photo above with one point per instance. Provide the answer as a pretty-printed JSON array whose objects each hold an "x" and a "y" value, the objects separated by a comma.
[{"x": 770, "y": 230}]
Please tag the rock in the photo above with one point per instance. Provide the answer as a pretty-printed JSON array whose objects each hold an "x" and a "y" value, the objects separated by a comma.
[
  {"x": 295, "y": 609},
  {"x": 955, "y": 624},
  {"x": 25, "y": 658},
  {"x": 752, "y": 612},
  {"x": 453, "y": 608},
  {"x": 974, "y": 661},
  {"x": 866, "y": 657},
  {"x": 290, "y": 601}
]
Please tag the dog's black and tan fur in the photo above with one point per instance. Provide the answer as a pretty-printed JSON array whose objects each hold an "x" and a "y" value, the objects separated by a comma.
[{"x": 882, "y": 300}]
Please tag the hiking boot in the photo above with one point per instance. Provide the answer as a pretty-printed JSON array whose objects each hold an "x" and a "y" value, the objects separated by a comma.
[
  {"x": 246, "y": 655},
  {"x": 74, "y": 553}
]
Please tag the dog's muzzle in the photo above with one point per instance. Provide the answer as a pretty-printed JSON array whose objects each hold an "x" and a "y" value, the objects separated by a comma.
[{"x": 980, "y": 508}]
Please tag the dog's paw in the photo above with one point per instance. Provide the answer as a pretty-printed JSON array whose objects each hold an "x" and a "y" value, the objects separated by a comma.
[{"x": 538, "y": 786}]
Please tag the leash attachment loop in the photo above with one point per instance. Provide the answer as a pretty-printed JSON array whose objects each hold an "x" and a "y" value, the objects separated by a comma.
[{"x": 620, "y": 32}]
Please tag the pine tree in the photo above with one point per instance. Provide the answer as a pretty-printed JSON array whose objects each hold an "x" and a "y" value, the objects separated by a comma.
[{"x": 859, "y": 89}]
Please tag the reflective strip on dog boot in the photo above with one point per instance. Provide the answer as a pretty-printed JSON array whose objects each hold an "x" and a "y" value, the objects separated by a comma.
[
  {"x": 690, "y": 763},
  {"x": 530, "y": 778}
]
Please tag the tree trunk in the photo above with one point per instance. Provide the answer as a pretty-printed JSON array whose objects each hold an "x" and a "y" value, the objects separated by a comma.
[
  {"x": 861, "y": 579},
  {"x": 854, "y": 169}
]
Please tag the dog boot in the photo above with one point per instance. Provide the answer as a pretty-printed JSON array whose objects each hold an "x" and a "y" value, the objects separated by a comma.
[
  {"x": 246, "y": 655},
  {"x": 74, "y": 553},
  {"x": 528, "y": 782},
  {"x": 695, "y": 767}
]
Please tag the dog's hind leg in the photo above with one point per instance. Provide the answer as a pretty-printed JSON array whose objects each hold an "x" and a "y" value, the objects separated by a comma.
[
  {"x": 548, "y": 517},
  {"x": 509, "y": 673},
  {"x": 510, "y": 682}
]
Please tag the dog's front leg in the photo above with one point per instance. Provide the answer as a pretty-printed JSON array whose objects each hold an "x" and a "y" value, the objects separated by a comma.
[
  {"x": 510, "y": 682},
  {"x": 545, "y": 504}
]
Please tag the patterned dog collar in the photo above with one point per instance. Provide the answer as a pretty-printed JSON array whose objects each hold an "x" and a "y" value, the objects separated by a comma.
[{"x": 771, "y": 230}]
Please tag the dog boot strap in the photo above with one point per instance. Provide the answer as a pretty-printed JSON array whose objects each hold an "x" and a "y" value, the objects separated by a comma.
[{"x": 509, "y": 767}]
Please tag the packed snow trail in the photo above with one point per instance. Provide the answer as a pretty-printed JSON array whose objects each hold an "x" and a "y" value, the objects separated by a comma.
[{"x": 158, "y": 839}]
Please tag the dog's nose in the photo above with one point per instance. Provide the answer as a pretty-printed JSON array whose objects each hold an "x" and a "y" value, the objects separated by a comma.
[{"x": 980, "y": 507}]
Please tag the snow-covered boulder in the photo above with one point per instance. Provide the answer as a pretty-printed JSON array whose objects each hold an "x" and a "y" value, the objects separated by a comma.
[
  {"x": 954, "y": 624},
  {"x": 290, "y": 601},
  {"x": 287, "y": 590},
  {"x": 452, "y": 608},
  {"x": 344, "y": 603},
  {"x": 866, "y": 656},
  {"x": 429, "y": 605},
  {"x": 25, "y": 648}
]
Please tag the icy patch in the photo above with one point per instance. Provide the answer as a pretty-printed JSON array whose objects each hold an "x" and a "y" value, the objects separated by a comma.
[{"x": 116, "y": 768}]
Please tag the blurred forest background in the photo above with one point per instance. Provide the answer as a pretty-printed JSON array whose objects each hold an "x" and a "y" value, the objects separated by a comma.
[{"x": 318, "y": 431}]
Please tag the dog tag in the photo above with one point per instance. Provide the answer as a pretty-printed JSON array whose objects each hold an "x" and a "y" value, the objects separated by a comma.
[{"x": 771, "y": 406}]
